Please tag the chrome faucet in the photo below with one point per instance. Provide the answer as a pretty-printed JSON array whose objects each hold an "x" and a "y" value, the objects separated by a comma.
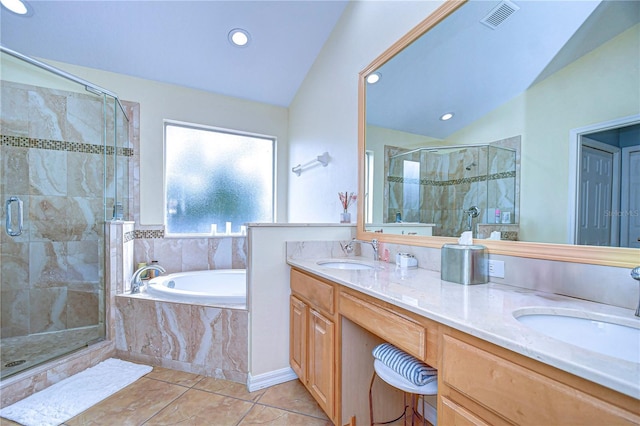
[
  {"x": 635, "y": 274},
  {"x": 374, "y": 243},
  {"x": 472, "y": 213},
  {"x": 136, "y": 281}
]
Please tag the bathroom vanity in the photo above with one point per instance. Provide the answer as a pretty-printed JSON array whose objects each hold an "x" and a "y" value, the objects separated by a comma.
[{"x": 492, "y": 369}]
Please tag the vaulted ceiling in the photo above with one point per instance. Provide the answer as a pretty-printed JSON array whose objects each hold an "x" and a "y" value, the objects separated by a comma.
[
  {"x": 182, "y": 42},
  {"x": 467, "y": 68},
  {"x": 186, "y": 43}
]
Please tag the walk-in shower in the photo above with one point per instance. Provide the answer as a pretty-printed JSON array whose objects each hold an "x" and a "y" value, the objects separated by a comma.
[
  {"x": 64, "y": 167},
  {"x": 453, "y": 187}
]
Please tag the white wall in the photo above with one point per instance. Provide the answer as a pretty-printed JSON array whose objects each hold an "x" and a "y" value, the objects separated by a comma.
[
  {"x": 322, "y": 117},
  {"x": 268, "y": 284},
  {"x": 598, "y": 87},
  {"x": 159, "y": 101},
  {"x": 377, "y": 138},
  {"x": 324, "y": 114}
]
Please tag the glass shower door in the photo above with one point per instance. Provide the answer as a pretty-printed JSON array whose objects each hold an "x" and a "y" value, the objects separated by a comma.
[{"x": 52, "y": 179}]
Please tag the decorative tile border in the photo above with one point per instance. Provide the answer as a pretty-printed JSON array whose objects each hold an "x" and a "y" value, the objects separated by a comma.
[
  {"x": 129, "y": 236},
  {"x": 148, "y": 233},
  {"x": 159, "y": 233},
  {"x": 509, "y": 235},
  {"x": 26, "y": 142},
  {"x": 494, "y": 176}
]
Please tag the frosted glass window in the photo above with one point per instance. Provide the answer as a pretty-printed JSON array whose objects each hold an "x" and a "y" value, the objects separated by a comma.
[
  {"x": 214, "y": 177},
  {"x": 411, "y": 187}
]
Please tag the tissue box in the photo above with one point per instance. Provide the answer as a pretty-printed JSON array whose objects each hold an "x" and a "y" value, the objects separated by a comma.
[{"x": 464, "y": 264}]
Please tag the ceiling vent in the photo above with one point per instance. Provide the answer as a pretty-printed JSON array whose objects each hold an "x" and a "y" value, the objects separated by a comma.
[{"x": 499, "y": 14}]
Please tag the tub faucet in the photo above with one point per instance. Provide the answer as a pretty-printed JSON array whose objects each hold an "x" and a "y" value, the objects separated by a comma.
[
  {"x": 635, "y": 274},
  {"x": 374, "y": 243},
  {"x": 136, "y": 281}
]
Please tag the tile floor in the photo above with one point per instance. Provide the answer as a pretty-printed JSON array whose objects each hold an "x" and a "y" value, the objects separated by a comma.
[{"x": 169, "y": 397}]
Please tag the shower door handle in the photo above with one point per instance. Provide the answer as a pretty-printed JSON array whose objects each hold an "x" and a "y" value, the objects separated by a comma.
[{"x": 9, "y": 222}]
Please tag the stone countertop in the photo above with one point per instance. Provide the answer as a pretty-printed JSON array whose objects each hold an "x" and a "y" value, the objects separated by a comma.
[{"x": 486, "y": 311}]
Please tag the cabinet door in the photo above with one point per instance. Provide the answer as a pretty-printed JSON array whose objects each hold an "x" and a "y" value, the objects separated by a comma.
[
  {"x": 321, "y": 360},
  {"x": 298, "y": 338},
  {"x": 452, "y": 414}
]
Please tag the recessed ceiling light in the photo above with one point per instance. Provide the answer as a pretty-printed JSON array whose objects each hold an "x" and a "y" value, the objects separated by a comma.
[
  {"x": 15, "y": 6},
  {"x": 239, "y": 37},
  {"x": 373, "y": 78},
  {"x": 447, "y": 116}
]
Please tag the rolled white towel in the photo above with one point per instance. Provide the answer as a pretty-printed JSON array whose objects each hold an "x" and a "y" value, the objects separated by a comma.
[{"x": 408, "y": 366}]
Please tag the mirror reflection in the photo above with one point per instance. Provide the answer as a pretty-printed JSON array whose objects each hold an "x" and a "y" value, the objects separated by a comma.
[{"x": 543, "y": 139}]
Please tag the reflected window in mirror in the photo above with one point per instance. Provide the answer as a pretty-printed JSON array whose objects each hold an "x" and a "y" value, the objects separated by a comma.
[{"x": 368, "y": 198}]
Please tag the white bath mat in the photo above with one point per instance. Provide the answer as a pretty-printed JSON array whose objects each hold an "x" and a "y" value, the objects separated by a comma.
[{"x": 70, "y": 397}]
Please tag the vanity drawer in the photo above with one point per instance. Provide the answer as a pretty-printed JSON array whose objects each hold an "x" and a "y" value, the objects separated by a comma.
[
  {"x": 395, "y": 329},
  {"x": 519, "y": 394},
  {"x": 318, "y": 293}
]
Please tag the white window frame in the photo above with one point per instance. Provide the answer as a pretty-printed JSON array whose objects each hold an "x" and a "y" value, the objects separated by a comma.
[{"x": 168, "y": 122}]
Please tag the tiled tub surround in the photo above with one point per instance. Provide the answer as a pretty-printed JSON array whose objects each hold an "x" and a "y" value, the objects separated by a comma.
[
  {"x": 205, "y": 340},
  {"x": 181, "y": 254},
  {"x": 486, "y": 310},
  {"x": 118, "y": 266}
]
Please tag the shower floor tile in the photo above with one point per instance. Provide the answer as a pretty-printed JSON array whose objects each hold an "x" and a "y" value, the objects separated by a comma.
[
  {"x": 170, "y": 397},
  {"x": 23, "y": 352}
]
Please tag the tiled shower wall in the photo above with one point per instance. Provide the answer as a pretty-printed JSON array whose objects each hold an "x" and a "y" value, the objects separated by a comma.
[
  {"x": 51, "y": 274},
  {"x": 451, "y": 183}
]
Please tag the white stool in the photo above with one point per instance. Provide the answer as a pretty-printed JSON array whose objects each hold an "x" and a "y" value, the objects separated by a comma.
[{"x": 412, "y": 391}]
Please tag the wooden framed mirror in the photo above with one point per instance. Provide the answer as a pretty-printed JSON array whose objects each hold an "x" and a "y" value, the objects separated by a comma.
[{"x": 541, "y": 208}]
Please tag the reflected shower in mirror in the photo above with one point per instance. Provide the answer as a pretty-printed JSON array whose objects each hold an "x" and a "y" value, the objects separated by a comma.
[{"x": 430, "y": 190}]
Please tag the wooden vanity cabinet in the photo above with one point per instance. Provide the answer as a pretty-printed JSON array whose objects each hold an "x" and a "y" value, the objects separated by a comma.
[
  {"x": 312, "y": 345},
  {"x": 481, "y": 383}
]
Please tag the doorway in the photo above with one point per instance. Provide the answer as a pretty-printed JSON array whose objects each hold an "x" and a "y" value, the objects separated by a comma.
[{"x": 607, "y": 203}]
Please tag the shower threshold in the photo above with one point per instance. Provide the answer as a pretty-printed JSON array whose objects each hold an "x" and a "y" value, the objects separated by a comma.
[{"x": 23, "y": 352}]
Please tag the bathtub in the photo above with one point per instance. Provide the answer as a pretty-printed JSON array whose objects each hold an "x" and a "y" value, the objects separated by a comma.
[{"x": 215, "y": 287}]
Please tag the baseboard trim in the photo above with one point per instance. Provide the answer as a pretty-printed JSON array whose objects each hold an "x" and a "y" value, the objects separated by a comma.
[{"x": 271, "y": 378}]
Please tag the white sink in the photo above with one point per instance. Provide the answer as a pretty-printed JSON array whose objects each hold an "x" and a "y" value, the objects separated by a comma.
[
  {"x": 618, "y": 337},
  {"x": 345, "y": 264}
]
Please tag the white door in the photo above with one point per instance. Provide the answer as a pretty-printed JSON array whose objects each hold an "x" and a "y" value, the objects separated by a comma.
[
  {"x": 596, "y": 185},
  {"x": 630, "y": 208}
]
